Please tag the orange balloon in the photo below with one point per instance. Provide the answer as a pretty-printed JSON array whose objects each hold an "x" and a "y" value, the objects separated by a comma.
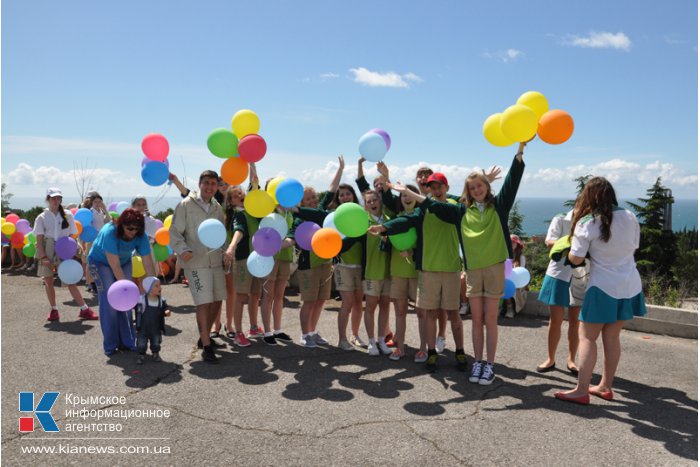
[
  {"x": 326, "y": 243},
  {"x": 555, "y": 127},
  {"x": 79, "y": 226},
  {"x": 165, "y": 268},
  {"x": 162, "y": 236},
  {"x": 234, "y": 170}
]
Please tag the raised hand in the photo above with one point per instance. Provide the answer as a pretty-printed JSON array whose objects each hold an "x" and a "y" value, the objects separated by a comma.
[
  {"x": 494, "y": 173},
  {"x": 383, "y": 170}
]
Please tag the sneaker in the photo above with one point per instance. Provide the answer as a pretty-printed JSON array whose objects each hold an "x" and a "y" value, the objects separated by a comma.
[
  {"x": 241, "y": 340},
  {"x": 53, "y": 315},
  {"x": 487, "y": 376},
  {"x": 464, "y": 308},
  {"x": 396, "y": 354},
  {"x": 212, "y": 342},
  {"x": 389, "y": 340},
  {"x": 431, "y": 363},
  {"x": 357, "y": 341},
  {"x": 308, "y": 342},
  {"x": 255, "y": 333},
  {"x": 372, "y": 349},
  {"x": 461, "y": 362},
  {"x": 156, "y": 357},
  {"x": 283, "y": 336},
  {"x": 384, "y": 348},
  {"x": 140, "y": 359},
  {"x": 477, "y": 367},
  {"x": 420, "y": 357},
  {"x": 440, "y": 344},
  {"x": 510, "y": 313},
  {"x": 270, "y": 340},
  {"x": 345, "y": 345},
  {"x": 208, "y": 355},
  {"x": 88, "y": 314},
  {"x": 318, "y": 339}
]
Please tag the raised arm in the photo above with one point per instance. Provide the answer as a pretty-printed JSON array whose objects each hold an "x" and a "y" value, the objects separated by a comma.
[
  {"x": 338, "y": 175},
  {"x": 254, "y": 182},
  {"x": 509, "y": 190},
  {"x": 184, "y": 191},
  {"x": 401, "y": 188},
  {"x": 361, "y": 181}
]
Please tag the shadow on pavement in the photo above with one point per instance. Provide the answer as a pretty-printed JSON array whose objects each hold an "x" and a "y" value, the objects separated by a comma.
[
  {"x": 76, "y": 327},
  {"x": 149, "y": 373}
]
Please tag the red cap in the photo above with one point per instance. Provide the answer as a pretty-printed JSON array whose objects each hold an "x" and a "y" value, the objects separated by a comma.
[
  {"x": 516, "y": 239},
  {"x": 437, "y": 177}
]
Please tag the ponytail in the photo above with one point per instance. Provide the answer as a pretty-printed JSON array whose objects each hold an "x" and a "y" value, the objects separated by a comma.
[{"x": 64, "y": 224}]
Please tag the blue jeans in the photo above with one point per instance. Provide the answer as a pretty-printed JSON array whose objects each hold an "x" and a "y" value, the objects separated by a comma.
[
  {"x": 145, "y": 335},
  {"x": 117, "y": 326}
]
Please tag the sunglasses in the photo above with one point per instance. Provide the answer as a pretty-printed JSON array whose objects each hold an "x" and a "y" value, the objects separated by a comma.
[{"x": 131, "y": 228}]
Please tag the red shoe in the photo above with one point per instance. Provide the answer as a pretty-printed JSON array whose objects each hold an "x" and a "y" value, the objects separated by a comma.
[
  {"x": 582, "y": 400},
  {"x": 88, "y": 314},
  {"x": 257, "y": 332},
  {"x": 389, "y": 340},
  {"x": 607, "y": 395},
  {"x": 53, "y": 315},
  {"x": 241, "y": 341}
]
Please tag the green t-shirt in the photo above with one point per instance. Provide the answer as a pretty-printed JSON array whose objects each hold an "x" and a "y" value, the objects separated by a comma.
[
  {"x": 286, "y": 254},
  {"x": 440, "y": 244},
  {"x": 482, "y": 237},
  {"x": 377, "y": 261},
  {"x": 248, "y": 225},
  {"x": 353, "y": 255}
]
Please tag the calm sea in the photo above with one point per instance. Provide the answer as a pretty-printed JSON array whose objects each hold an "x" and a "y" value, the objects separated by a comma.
[{"x": 538, "y": 212}]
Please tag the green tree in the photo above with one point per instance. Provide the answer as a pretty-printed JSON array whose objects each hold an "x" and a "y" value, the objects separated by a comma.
[
  {"x": 685, "y": 267},
  {"x": 515, "y": 220},
  {"x": 580, "y": 183},
  {"x": 5, "y": 198}
]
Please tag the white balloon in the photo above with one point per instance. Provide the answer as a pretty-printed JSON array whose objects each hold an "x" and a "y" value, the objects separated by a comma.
[
  {"x": 329, "y": 222},
  {"x": 520, "y": 277},
  {"x": 260, "y": 266},
  {"x": 277, "y": 222}
]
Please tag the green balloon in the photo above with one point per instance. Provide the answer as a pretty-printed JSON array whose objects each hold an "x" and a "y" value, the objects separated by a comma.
[
  {"x": 31, "y": 237},
  {"x": 404, "y": 241},
  {"x": 351, "y": 220},
  {"x": 160, "y": 252},
  {"x": 222, "y": 143},
  {"x": 114, "y": 214},
  {"x": 29, "y": 250}
]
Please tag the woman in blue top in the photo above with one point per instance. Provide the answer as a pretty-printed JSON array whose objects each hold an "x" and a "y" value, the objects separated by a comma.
[{"x": 110, "y": 260}]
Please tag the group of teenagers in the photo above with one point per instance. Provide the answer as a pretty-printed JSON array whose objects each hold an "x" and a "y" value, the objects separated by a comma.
[{"x": 462, "y": 245}]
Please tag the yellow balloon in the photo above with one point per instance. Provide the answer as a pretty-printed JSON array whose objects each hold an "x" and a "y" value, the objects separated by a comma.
[
  {"x": 272, "y": 187},
  {"x": 258, "y": 203},
  {"x": 519, "y": 123},
  {"x": 536, "y": 101},
  {"x": 8, "y": 228},
  {"x": 245, "y": 122},
  {"x": 2, "y": 219},
  {"x": 168, "y": 221},
  {"x": 137, "y": 269},
  {"x": 492, "y": 131}
]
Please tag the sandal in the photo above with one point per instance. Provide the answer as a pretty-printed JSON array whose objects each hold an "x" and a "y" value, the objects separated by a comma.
[{"x": 229, "y": 334}]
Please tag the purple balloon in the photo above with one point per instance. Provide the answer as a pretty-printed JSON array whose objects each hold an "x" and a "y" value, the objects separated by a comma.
[
  {"x": 23, "y": 226},
  {"x": 123, "y": 295},
  {"x": 112, "y": 206},
  {"x": 303, "y": 234},
  {"x": 267, "y": 241},
  {"x": 5, "y": 239},
  {"x": 159, "y": 223},
  {"x": 509, "y": 267},
  {"x": 66, "y": 247},
  {"x": 146, "y": 160},
  {"x": 383, "y": 134}
]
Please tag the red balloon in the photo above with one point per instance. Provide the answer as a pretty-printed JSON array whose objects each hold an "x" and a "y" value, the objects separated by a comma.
[
  {"x": 17, "y": 239},
  {"x": 12, "y": 218},
  {"x": 252, "y": 148},
  {"x": 155, "y": 147}
]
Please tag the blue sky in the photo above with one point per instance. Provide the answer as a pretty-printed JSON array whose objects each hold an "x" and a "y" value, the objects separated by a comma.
[{"x": 84, "y": 81}]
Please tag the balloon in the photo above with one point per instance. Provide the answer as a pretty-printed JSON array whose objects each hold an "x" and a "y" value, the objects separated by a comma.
[
  {"x": 351, "y": 220},
  {"x": 165, "y": 268},
  {"x": 535, "y": 101},
  {"x": 260, "y": 266},
  {"x": 159, "y": 224},
  {"x": 234, "y": 170},
  {"x": 492, "y": 131},
  {"x": 289, "y": 192},
  {"x": 25, "y": 241},
  {"x": 508, "y": 267},
  {"x": 519, "y": 123},
  {"x": 155, "y": 173},
  {"x": 222, "y": 143},
  {"x": 70, "y": 272},
  {"x": 271, "y": 188},
  {"x": 162, "y": 236},
  {"x": 160, "y": 252},
  {"x": 12, "y": 218},
  {"x": 23, "y": 226},
  {"x": 555, "y": 127},
  {"x": 252, "y": 148},
  {"x": 79, "y": 226},
  {"x": 509, "y": 289},
  {"x": 258, "y": 203},
  {"x": 267, "y": 241},
  {"x": 89, "y": 234},
  {"x": 245, "y": 122},
  {"x": 5, "y": 239},
  {"x": 404, "y": 241},
  {"x": 137, "y": 269},
  {"x": 31, "y": 237},
  {"x": 146, "y": 160},
  {"x": 123, "y": 295},
  {"x": 155, "y": 147},
  {"x": 113, "y": 214},
  {"x": 326, "y": 243},
  {"x": 152, "y": 226},
  {"x": 83, "y": 215},
  {"x": 520, "y": 277},
  {"x": 113, "y": 205},
  {"x": 168, "y": 221},
  {"x": 66, "y": 247},
  {"x": 212, "y": 233},
  {"x": 29, "y": 250},
  {"x": 329, "y": 223},
  {"x": 372, "y": 146},
  {"x": 121, "y": 206},
  {"x": 277, "y": 222},
  {"x": 304, "y": 233},
  {"x": 8, "y": 228},
  {"x": 17, "y": 240},
  {"x": 383, "y": 134}
]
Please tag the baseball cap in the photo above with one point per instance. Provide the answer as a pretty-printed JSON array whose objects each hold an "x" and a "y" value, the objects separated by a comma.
[
  {"x": 437, "y": 177},
  {"x": 51, "y": 192},
  {"x": 148, "y": 283},
  {"x": 516, "y": 239}
]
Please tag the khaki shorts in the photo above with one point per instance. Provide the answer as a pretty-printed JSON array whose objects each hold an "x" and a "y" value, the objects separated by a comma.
[
  {"x": 207, "y": 285},
  {"x": 347, "y": 279},
  {"x": 403, "y": 288},
  {"x": 50, "y": 251},
  {"x": 315, "y": 283},
  {"x": 281, "y": 271},
  {"x": 376, "y": 288},
  {"x": 244, "y": 281},
  {"x": 438, "y": 290},
  {"x": 486, "y": 282}
]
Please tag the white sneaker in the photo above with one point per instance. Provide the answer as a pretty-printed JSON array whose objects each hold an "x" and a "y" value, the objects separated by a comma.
[
  {"x": 440, "y": 344},
  {"x": 372, "y": 349},
  {"x": 345, "y": 345},
  {"x": 384, "y": 348},
  {"x": 357, "y": 340},
  {"x": 464, "y": 308},
  {"x": 510, "y": 313}
]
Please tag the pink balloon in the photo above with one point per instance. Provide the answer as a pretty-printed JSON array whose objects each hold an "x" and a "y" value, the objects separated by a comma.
[
  {"x": 383, "y": 134},
  {"x": 12, "y": 218},
  {"x": 73, "y": 211},
  {"x": 155, "y": 147},
  {"x": 252, "y": 148}
]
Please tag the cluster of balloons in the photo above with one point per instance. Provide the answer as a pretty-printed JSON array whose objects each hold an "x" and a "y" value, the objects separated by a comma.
[
  {"x": 155, "y": 168},
  {"x": 267, "y": 242},
  {"x": 18, "y": 233},
  {"x": 529, "y": 116},
  {"x": 349, "y": 220},
  {"x": 516, "y": 278},
  {"x": 83, "y": 222},
  {"x": 374, "y": 144}
]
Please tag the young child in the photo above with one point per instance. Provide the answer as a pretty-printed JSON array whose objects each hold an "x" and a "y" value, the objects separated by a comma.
[{"x": 150, "y": 319}]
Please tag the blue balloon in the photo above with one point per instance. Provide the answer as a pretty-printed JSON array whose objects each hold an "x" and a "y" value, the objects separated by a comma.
[
  {"x": 155, "y": 173},
  {"x": 289, "y": 192},
  {"x": 509, "y": 290},
  {"x": 212, "y": 233},
  {"x": 260, "y": 266},
  {"x": 520, "y": 277},
  {"x": 70, "y": 271},
  {"x": 84, "y": 216},
  {"x": 88, "y": 234},
  {"x": 146, "y": 160},
  {"x": 372, "y": 147}
]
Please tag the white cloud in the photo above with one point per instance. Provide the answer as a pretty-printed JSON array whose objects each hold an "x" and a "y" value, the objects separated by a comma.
[
  {"x": 504, "y": 55},
  {"x": 327, "y": 76},
  {"x": 600, "y": 40},
  {"x": 387, "y": 79},
  {"x": 44, "y": 176}
]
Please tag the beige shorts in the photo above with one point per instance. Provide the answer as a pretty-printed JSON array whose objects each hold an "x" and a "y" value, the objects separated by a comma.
[
  {"x": 244, "y": 281},
  {"x": 206, "y": 285},
  {"x": 577, "y": 287},
  {"x": 438, "y": 290},
  {"x": 347, "y": 279},
  {"x": 50, "y": 251},
  {"x": 315, "y": 283},
  {"x": 486, "y": 282},
  {"x": 403, "y": 288},
  {"x": 376, "y": 288},
  {"x": 281, "y": 271}
]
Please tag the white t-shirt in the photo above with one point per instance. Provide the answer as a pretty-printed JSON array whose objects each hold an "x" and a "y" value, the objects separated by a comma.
[
  {"x": 48, "y": 224},
  {"x": 559, "y": 227},
  {"x": 613, "y": 269}
]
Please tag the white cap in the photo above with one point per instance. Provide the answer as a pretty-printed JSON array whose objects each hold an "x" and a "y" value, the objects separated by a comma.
[
  {"x": 148, "y": 283},
  {"x": 51, "y": 192}
]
